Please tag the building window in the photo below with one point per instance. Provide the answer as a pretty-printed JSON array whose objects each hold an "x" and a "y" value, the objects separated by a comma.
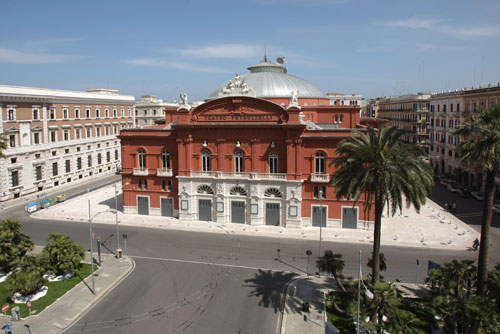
[
  {"x": 52, "y": 113},
  {"x": 238, "y": 162},
  {"x": 107, "y": 130},
  {"x": 36, "y": 138},
  {"x": 99, "y": 158},
  {"x": 116, "y": 154},
  {"x": 273, "y": 162},
  {"x": 320, "y": 163},
  {"x": 11, "y": 114},
  {"x": 169, "y": 185},
  {"x": 129, "y": 112},
  {"x": 79, "y": 163},
  {"x": 165, "y": 159},
  {"x": 65, "y": 113},
  {"x": 38, "y": 173},
  {"x": 163, "y": 185},
  {"x": 458, "y": 107},
  {"x": 317, "y": 190},
  {"x": 12, "y": 140},
  {"x": 97, "y": 131},
  {"x": 14, "y": 178},
  {"x": 53, "y": 136},
  {"x": 115, "y": 129},
  {"x": 87, "y": 113},
  {"x": 115, "y": 112},
  {"x": 77, "y": 113},
  {"x": 205, "y": 161},
  {"x": 54, "y": 169},
  {"x": 68, "y": 166},
  {"x": 89, "y": 161},
  {"x": 108, "y": 156},
  {"x": 106, "y": 112},
  {"x": 66, "y": 135},
  {"x": 89, "y": 132},
  {"x": 97, "y": 113},
  {"x": 36, "y": 114},
  {"x": 139, "y": 184},
  {"x": 77, "y": 133}
]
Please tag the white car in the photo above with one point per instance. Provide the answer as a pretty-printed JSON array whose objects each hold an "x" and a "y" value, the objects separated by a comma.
[{"x": 479, "y": 195}]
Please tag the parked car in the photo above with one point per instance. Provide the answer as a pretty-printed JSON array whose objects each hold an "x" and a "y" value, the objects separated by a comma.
[
  {"x": 446, "y": 182},
  {"x": 463, "y": 193},
  {"x": 479, "y": 195},
  {"x": 453, "y": 188},
  {"x": 496, "y": 209}
]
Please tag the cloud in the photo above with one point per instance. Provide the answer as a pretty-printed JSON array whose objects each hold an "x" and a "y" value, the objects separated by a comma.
[
  {"x": 441, "y": 25},
  {"x": 10, "y": 56},
  {"x": 154, "y": 62},
  {"x": 224, "y": 51}
]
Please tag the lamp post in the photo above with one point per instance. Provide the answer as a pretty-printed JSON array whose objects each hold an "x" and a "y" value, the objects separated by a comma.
[
  {"x": 359, "y": 293},
  {"x": 92, "y": 243},
  {"x": 320, "y": 223},
  {"x": 116, "y": 216}
]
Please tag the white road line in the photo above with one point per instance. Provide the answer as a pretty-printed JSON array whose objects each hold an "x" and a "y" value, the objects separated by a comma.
[{"x": 206, "y": 263}]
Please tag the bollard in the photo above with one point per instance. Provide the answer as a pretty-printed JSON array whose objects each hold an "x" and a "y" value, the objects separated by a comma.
[{"x": 119, "y": 253}]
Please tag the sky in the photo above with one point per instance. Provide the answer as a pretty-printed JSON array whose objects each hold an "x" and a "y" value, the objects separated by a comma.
[{"x": 374, "y": 48}]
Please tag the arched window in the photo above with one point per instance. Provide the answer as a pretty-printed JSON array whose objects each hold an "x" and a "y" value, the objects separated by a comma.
[
  {"x": 320, "y": 163},
  {"x": 238, "y": 162},
  {"x": 205, "y": 161},
  {"x": 205, "y": 189},
  {"x": 272, "y": 192},
  {"x": 165, "y": 159},
  {"x": 273, "y": 162},
  {"x": 142, "y": 159},
  {"x": 238, "y": 191}
]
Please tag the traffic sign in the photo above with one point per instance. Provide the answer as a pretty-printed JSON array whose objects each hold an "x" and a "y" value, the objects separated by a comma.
[
  {"x": 5, "y": 307},
  {"x": 28, "y": 304}
]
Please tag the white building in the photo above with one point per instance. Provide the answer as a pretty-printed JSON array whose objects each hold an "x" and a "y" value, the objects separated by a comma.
[{"x": 57, "y": 136}]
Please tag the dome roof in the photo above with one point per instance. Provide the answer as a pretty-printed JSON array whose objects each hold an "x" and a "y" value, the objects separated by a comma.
[{"x": 271, "y": 80}]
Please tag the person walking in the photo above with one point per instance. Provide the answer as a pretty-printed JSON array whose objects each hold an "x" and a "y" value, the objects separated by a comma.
[
  {"x": 475, "y": 244},
  {"x": 454, "y": 208}
]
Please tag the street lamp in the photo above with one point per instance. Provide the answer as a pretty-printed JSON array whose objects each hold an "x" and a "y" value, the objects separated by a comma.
[
  {"x": 116, "y": 216},
  {"x": 320, "y": 223},
  {"x": 92, "y": 244}
]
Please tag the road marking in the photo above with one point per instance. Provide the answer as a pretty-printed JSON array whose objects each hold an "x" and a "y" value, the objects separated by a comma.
[{"x": 206, "y": 263}]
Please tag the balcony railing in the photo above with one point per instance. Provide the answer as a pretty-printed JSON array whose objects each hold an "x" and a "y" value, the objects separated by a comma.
[
  {"x": 243, "y": 175},
  {"x": 141, "y": 171},
  {"x": 164, "y": 172},
  {"x": 320, "y": 178}
]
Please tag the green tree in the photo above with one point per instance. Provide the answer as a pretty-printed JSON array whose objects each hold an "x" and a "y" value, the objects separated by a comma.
[
  {"x": 382, "y": 262},
  {"x": 378, "y": 168},
  {"x": 63, "y": 254},
  {"x": 480, "y": 144},
  {"x": 14, "y": 244},
  {"x": 28, "y": 277},
  {"x": 332, "y": 264}
]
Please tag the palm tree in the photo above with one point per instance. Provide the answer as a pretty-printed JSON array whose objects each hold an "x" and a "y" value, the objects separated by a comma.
[
  {"x": 481, "y": 144},
  {"x": 378, "y": 168},
  {"x": 14, "y": 244},
  {"x": 332, "y": 264}
]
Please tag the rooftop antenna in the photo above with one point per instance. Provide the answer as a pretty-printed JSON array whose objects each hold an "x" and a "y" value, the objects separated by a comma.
[{"x": 265, "y": 55}]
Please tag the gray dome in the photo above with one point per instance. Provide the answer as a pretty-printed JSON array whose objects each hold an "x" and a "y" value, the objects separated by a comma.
[{"x": 271, "y": 80}]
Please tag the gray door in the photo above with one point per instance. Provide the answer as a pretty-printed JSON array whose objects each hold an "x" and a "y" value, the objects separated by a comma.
[
  {"x": 143, "y": 205},
  {"x": 319, "y": 216},
  {"x": 350, "y": 218},
  {"x": 205, "y": 207},
  {"x": 272, "y": 214},
  {"x": 167, "y": 207},
  {"x": 238, "y": 212}
]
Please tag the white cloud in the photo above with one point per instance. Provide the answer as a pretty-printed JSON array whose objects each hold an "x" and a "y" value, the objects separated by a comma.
[
  {"x": 440, "y": 25},
  {"x": 224, "y": 51},
  {"x": 153, "y": 62},
  {"x": 18, "y": 57}
]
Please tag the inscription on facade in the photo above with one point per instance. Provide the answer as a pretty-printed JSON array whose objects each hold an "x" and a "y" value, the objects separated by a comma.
[{"x": 245, "y": 118}]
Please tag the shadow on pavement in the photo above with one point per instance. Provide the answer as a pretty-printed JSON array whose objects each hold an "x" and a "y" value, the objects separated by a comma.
[{"x": 268, "y": 285}]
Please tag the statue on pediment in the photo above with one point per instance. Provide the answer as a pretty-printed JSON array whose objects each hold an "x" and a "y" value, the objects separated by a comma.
[
  {"x": 183, "y": 103},
  {"x": 294, "y": 100},
  {"x": 237, "y": 86}
]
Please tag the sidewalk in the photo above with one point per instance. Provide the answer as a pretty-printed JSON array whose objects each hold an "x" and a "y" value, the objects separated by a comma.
[
  {"x": 433, "y": 227},
  {"x": 306, "y": 290},
  {"x": 70, "y": 307}
]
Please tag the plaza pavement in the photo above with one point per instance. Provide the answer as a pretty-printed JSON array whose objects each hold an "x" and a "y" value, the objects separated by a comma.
[{"x": 433, "y": 227}]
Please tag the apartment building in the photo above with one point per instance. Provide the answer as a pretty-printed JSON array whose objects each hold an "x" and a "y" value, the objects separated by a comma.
[
  {"x": 150, "y": 109},
  {"x": 409, "y": 113},
  {"x": 56, "y": 136}
]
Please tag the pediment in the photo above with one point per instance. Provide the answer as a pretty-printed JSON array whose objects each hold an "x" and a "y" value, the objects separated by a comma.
[{"x": 235, "y": 109}]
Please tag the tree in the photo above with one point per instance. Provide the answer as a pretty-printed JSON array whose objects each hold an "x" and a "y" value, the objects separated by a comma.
[
  {"x": 28, "y": 277},
  {"x": 480, "y": 144},
  {"x": 378, "y": 168},
  {"x": 332, "y": 264},
  {"x": 14, "y": 244},
  {"x": 382, "y": 262},
  {"x": 63, "y": 254}
]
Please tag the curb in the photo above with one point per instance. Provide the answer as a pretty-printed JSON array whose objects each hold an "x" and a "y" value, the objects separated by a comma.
[
  {"x": 84, "y": 311},
  {"x": 281, "y": 323}
]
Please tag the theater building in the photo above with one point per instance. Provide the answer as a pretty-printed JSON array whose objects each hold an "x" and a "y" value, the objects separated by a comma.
[{"x": 257, "y": 152}]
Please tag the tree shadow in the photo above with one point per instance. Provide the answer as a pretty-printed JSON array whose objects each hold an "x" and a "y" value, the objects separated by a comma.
[{"x": 268, "y": 285}]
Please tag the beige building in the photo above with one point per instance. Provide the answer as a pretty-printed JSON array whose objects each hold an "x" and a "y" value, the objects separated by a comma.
[
  {"x": 55, "y": 136},
  {"x": 407, "y": 112},
  {"x": 150, "y": 109},
  {"x": 448, "y": 110}
]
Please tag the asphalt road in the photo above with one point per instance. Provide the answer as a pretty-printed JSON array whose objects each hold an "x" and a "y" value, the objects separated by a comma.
[{"x": 191, "y": 282}]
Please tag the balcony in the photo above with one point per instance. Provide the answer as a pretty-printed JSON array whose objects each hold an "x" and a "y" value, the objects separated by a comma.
[
  {"x": 164, "y": 172},
  {"x": 141, "y": 172},
  {"x": 320, "y": 178},
  {"x": 243, "y": 175}
]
